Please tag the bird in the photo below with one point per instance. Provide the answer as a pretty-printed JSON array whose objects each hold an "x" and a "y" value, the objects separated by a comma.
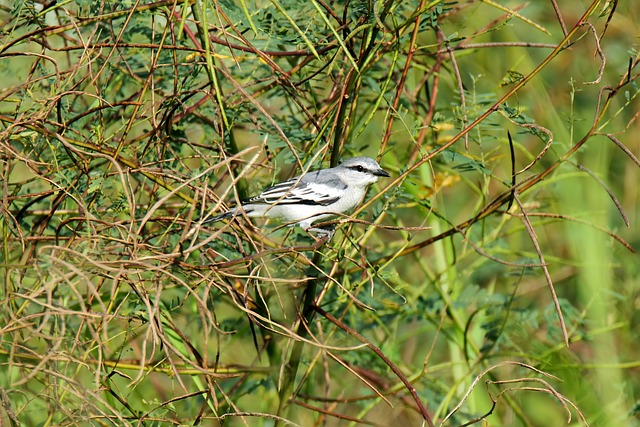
[{"x": 314, "y": 195}]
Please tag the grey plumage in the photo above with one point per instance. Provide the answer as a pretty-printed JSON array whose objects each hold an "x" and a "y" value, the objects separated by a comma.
[{"x": 314, "y": 195}]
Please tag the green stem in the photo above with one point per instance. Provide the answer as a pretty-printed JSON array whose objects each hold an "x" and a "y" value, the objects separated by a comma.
[{"x": 291, "y": 368}]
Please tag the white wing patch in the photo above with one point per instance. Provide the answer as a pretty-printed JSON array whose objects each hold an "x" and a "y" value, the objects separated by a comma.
[{"x": 295, "y": 192}]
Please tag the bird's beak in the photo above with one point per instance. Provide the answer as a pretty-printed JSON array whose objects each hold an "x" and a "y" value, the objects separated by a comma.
[{"x": 382, "y": 172}]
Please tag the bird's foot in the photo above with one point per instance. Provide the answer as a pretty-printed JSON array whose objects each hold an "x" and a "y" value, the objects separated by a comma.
[{"x": 322, "y": 233}]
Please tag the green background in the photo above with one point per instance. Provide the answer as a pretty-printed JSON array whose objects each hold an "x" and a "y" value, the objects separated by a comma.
[{"x": 511, "y": 134}]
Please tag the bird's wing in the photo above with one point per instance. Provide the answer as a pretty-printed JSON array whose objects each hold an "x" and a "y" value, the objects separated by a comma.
[{"x": 297, "y": 191}]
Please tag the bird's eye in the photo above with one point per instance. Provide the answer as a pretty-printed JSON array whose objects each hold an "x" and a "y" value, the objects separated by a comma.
[{"x": 359, "y": 168}]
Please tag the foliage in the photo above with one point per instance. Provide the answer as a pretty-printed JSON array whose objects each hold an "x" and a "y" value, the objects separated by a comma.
[{"x": 499, "y": 253}]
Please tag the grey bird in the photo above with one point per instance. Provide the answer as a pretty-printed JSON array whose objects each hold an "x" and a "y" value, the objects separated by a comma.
[{"x": 313, "y": 196}]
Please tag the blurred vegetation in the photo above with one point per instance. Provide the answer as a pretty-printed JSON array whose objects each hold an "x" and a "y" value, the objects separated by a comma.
[{"x": 492, "y": 280}]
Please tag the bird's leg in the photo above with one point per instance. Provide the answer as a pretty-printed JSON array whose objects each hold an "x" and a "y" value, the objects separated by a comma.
[{"x": 326, "y": 232}]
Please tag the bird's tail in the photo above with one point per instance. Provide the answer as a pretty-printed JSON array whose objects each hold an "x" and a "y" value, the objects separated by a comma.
[{"x": 224, "y": 215}]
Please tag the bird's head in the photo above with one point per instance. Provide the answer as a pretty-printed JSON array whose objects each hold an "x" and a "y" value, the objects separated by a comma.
[{"x": 361, "y": 170}]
